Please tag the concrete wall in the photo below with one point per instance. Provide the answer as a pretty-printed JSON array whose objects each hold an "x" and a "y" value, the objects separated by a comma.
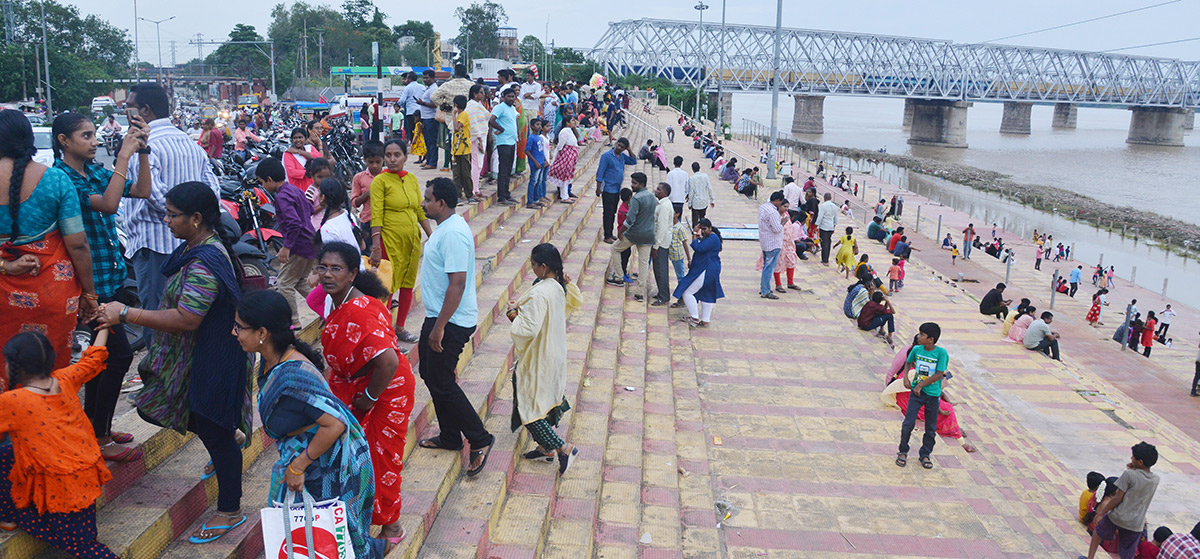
[
  {"x": 809, "y": 116},
  {"x": 1015, "y": 119},
  {"x": 939, "y": 123},
  {"x": 1156, "y": 126}
]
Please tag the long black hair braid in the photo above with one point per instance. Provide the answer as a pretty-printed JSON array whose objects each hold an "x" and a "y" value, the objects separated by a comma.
[
  {"x": 16, "y": 142},
  {"x": 547, "y": 255}
]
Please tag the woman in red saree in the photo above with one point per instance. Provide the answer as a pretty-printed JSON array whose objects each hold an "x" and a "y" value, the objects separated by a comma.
[
  {"x": 366, "y": 372},
  {"x": 895, "y": 393}
]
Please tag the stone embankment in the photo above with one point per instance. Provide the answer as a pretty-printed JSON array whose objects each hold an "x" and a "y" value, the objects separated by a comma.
[{"x": 1172, "y": 233}]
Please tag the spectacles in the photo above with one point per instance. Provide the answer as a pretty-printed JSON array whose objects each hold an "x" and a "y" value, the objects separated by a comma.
[
  {"x": 321, "y": 269},
  {"x": 173, "y": 215},
  {"x": 237, "y": 328}
]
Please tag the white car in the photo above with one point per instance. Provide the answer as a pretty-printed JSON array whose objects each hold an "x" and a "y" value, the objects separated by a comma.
[{"x": 42, "y": 140}]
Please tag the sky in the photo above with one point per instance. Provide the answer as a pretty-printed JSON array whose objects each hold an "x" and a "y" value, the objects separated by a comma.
[{"x": 569, "y": 25}]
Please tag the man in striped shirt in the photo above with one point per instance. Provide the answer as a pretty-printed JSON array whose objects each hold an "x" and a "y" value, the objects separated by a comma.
[{"x": 174, "y": 159}]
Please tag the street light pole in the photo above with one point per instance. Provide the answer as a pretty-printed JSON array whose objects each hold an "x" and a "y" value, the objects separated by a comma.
[
  {"x": 700, "y": 7},
  {"x": 46, "y": 59},
  {"x": 721, "y": 78},
  {"x": 137, "y": 69},
  {"x": 771, "y": 158},
  {"x": 158, "y": 36}
]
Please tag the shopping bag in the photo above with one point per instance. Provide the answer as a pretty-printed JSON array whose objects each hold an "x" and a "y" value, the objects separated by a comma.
[{"x": 306, "y": 530}]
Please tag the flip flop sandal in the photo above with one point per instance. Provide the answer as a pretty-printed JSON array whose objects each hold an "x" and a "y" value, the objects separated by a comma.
[
  {"x": 121, "y": 438},
  {"x": 926, "y": 463},
  {"x": 128, "y": 455},
  {"x": 485, "y": 452},
  {"x": 901, "y": 460},
  {"x": 538, "y": 454},
  {"x": 434, "y": 443},
  {"x": 209, "y": 471},
  {"x": 205, "y": 527}
]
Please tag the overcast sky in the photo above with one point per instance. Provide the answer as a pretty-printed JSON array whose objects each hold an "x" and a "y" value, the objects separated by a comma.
[{"x": 580, "y": 24}]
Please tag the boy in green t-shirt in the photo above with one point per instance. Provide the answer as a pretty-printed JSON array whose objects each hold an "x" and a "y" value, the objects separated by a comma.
[{"x": 929, "y": 362}]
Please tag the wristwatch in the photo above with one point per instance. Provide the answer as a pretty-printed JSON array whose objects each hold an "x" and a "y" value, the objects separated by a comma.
[{"x": 145, "y": 150}]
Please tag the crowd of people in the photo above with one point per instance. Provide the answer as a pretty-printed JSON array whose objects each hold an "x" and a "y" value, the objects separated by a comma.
[{"x": 339, "y": 416}]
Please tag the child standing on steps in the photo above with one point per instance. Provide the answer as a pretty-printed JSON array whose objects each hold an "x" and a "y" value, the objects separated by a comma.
[
  {"x": 1123, "y": 517},
  {"x": 51, "y": 473},
  {"x": 929, "y": 363}
]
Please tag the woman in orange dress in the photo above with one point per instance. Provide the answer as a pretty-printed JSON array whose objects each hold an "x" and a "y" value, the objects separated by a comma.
[
  {"x": 366, "y": 372},
  {"x": 51, "y": 473}
]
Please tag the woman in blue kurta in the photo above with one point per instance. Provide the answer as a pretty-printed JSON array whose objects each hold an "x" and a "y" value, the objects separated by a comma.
[
  {"x": 703, "y": 281},
  {"x": 322, "y": 447}
]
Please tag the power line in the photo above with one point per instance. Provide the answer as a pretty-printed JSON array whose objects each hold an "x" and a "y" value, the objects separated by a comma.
[
  {"x": 1153, "y": 44},
  {"x": 1084, "y": 21}
]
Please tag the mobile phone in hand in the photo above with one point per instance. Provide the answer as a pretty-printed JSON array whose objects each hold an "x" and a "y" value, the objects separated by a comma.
[{"x": 130, "y": 114}]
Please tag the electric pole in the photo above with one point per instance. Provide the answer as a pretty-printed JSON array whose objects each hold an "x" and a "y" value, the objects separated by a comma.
[
  {"x": 320, "y": 51},
  {"x": 200, "y": 51}
]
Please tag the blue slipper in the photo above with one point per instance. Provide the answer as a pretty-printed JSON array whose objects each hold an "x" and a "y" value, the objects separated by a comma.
[
  {"x": 209, "y": 474},
  {"x": 205, "y": 527}
]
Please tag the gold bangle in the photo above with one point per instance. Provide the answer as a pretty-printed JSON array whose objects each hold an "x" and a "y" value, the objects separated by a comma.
[
  {"x": 123, "y": 177},
  {"x": 138, "y": 316},
  {"x": 90, "y": 296},
  {"x": 294, "y": 472}
]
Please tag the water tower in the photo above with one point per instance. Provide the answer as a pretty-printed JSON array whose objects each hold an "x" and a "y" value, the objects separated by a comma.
[{"x": 506, "y": 43}]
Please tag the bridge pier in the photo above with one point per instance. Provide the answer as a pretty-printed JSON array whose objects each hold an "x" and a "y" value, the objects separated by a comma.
[
  {"x": 939, "y": 123},
  {"x": 1015, "y": 119},
  {"x": 908, "y": 112},
  {"x": 1156, "y": 126},
  {"x": 1065, "y": 115},
  {"x": 809, "y": 116},
  {"x": 726, "y": 103},
  {"x": 1189, "y": 120}
]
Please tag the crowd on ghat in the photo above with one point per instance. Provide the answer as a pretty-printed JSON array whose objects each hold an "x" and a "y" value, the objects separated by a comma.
[{"x": 353, "y": 253}]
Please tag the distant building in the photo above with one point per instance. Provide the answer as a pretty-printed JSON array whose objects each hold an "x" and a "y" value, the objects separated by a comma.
[{"x": 507, "y": 43}]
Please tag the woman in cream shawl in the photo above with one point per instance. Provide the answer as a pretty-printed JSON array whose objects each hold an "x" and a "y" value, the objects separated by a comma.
[{"x": 539, "y": 333}]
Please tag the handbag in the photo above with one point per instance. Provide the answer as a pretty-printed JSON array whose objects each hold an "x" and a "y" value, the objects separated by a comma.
[{"x": 325, "y": 532}]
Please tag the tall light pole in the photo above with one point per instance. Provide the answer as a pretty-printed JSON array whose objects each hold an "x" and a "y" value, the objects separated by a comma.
[
  {"x": 137, "y": 54},
  {"x": 775, "y": 92},
  {"x": 700, "y": 7},
  {"x": 721, "y": 78},
  {"x": 46, "y": 59},
  {"x": 158, "y": 36}
]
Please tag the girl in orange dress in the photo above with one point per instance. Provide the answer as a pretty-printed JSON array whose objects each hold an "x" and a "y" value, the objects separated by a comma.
[{"x": 52, "y": 472}]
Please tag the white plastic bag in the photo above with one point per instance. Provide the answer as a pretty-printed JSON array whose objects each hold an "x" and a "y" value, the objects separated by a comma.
[{"x": 306, "y": 530}]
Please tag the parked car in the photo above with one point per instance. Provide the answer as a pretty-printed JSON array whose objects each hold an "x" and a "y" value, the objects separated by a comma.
[{"x": 42, "y": 140}]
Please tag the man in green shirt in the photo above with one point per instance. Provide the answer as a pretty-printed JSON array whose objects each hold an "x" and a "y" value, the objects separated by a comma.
[{"x": 928, "y": 362}]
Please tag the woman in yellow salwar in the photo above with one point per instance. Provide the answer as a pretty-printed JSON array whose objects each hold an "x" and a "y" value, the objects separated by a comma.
[
  {"x": 539, "y": 333},
  {"x": 396, "y": 228}
]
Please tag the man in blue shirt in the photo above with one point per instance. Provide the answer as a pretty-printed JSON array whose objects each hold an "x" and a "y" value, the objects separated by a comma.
[
  {"x": 610, "y": 173},
  {"x": 504, "y": 122},
  {"x": 451, "y": 314},
  {"x": 408, "y": 100},
  {"x": 1076, "y": 278}
]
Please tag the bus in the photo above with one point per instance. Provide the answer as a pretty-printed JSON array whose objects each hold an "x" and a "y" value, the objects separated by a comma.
[{"x": 247, "y": 101}]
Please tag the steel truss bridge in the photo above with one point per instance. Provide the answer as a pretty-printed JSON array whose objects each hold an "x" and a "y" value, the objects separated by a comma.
[{"x": 833, "y": 63}]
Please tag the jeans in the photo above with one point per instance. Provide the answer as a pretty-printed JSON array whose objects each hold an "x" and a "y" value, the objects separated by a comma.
[
  {"x": 537, "y": 184},
  {"x": 826, "y": 244},
  {"x": 879, "y": 321},
  {"x": 1196, "y": 378},
  {"x": 967, "y": 250},
  {"x": 222, "y": 448},
  {"x": 769, "y": 259},
  {"x": 611, "y": 200},
  {"x": 999, "y": 311},
  {"x": 410, "y": 125},
  {"x": 661, "y": 273},
  {"x": 1074, "y": 288},
  {"x": 915, "y": 403},
  {"x": 641, "y": 286},
  {"x": 1049, "y": 346},
  {"x": 680, "y": 269},
  {"x": 504, "y": 172},
  {"x": 456, "y": 416},
  {"x": 697, "y": 215},
  {"x": 460, "y": 167},
  {"x": 147, "y": 268},
  {"x": 1162, "y": 329},
  {"x": 100, "y": 394},
  {"x": 429, "y": 129}
]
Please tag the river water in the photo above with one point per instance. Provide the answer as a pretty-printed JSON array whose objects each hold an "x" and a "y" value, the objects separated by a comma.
[{"x": 1093, "y": 160}]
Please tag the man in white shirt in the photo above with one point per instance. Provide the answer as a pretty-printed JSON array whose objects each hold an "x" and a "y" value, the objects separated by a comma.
[
  {"x": 664, "y": 219},
  {"x": 792, "y": 192},
  {"x": 174, "y": 159},
  {"x": 826, "y": 223},
  {"x": 1164, "y": 322},
  {"x": 429, "y": 124},
  {"x": 699, "y": 195},
  {"x": 678, "y": 179},
  {"x": 531, "y": 97},
  {"x": 408, "y": 99}
]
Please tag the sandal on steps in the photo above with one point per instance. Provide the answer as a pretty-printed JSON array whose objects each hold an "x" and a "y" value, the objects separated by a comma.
[
  {"x": 539, "y": 454},
  {"x": 130, "y": 453},
  {"x": 926, "y": 463},
  {"x": 205, "y": 528},
  {"x": 435, "y": 443},
  {"x": 484, "y": 452},
  {"x": 901, "y": 460},
  {"x": 121, "y": 438}
]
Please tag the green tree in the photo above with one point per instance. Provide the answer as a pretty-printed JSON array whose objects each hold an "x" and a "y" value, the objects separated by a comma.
[
  {"x": 243, "y": 60},
  {"x": 531, "y": 49},
  {"x": 477, "y": 29},
  {"x": 357, "y": 12},
  {"x": 420, "y": 31}
]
